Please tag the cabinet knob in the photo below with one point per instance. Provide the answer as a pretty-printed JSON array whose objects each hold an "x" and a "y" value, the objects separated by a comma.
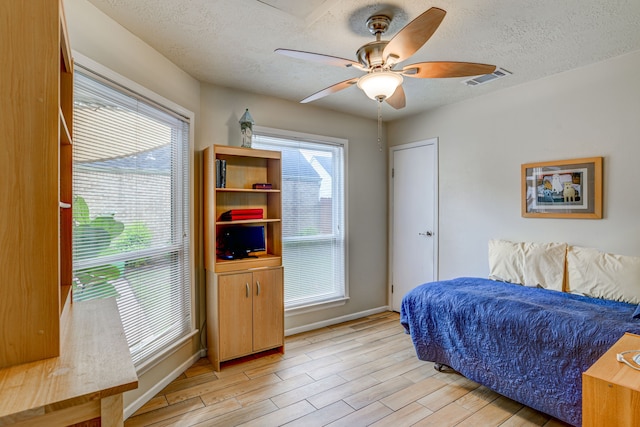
[
  {"x": 247, "y": 285},
  {"x": 257, "y": 287}
]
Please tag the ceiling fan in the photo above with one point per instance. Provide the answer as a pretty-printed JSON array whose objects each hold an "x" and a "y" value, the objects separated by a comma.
[{"x": 383, "y": 82}]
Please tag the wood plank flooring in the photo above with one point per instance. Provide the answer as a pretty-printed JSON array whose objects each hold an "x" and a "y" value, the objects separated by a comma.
[{"x": 359, "y": 373}]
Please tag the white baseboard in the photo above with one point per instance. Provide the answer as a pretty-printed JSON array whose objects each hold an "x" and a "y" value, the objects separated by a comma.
[
  {"x": 335, "y": 320},
  {"x": 149, "y": 394}
]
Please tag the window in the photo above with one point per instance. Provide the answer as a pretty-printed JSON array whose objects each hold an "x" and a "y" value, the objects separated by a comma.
[
  {"x": 313, "y": 213},
  {"x": 131, "y": 231}
]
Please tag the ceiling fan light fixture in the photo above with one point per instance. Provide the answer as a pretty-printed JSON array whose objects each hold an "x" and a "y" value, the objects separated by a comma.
[{"x": 380, "y": 85}]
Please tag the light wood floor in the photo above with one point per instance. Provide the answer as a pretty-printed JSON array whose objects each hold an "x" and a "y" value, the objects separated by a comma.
[{"x": 360, "y": 373}]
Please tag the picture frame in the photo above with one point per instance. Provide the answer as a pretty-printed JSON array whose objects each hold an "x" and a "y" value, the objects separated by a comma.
[{"x": 563, "y": 189}]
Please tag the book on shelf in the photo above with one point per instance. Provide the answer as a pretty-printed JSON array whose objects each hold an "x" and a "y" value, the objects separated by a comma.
[
  {"x": 241, "y": 214},
  {"x": 221, "y": 173},
  {"x": 262, "y": 186}
]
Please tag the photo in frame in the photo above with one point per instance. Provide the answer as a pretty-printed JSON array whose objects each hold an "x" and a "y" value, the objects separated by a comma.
[{"x": 562, "y": 189}]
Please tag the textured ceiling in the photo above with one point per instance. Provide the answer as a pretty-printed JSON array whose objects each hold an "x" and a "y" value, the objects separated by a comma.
[{"x": 231, "y": 42}]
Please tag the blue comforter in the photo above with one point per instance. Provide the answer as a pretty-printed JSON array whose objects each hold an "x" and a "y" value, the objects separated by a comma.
[{"x": 528, "y": 344}]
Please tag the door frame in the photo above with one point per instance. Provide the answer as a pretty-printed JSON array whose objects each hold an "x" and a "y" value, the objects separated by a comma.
[{"x": 436, "y": 235}]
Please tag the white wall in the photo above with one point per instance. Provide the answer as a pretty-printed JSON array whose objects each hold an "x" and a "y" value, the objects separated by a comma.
[
  {"x": 221, "y": 109},
  {"x": 592, "y": 111}
]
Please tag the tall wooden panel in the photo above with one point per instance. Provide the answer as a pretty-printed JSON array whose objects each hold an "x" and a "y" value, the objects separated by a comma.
[{"x": 36, "y": 78}]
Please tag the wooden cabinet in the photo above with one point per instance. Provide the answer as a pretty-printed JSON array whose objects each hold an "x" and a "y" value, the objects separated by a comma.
[
  {"x": 245, "y": 297},
  {"x": 35, "y": 179},
  {"x": 611, "y": 389},
  {"x": 245, "y": 313}
]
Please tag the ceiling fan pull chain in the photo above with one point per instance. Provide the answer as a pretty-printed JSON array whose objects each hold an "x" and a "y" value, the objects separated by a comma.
[{"x": 380, "y": 125}]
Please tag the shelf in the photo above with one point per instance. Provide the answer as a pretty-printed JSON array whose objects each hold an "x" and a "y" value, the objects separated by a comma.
[
  {"x": 223, "y": 150},
  {"x": 65, "y": 135},
  {"x": 65, "y": 301},
  {"x": 245, "y": 190},
  {"x": 262, "y": 261},
  {"x": 247, "y": 221}
]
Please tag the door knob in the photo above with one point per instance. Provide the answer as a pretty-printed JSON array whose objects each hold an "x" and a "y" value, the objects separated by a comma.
[{"x": 426, "y": 233}]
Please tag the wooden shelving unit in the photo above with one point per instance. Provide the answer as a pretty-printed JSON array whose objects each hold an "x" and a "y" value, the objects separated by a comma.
[
  {"x": 35, "y": 179},
  {"x": 60, "y": 363},
  {"x": 245, "y": 297},
  {"x": 245, "y": 167}
]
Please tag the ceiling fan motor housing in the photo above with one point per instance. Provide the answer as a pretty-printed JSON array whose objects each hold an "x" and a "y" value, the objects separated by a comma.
[{"x": 370, "y": 54}]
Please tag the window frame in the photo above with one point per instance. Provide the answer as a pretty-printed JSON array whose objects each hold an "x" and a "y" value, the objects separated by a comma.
[
  {"x": 162, "y": 103},
  {"x": 327, "y": 140}
]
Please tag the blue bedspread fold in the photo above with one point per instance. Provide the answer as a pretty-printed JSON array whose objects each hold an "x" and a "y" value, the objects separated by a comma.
[{"x": 528, "y": 344}]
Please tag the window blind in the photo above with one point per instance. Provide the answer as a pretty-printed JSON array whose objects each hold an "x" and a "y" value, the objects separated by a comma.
[
  {"x": 313, "y": 211},
  {"x": 131, "y": 212}
]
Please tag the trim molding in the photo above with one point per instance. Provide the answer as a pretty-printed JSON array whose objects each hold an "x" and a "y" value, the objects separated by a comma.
[
  {"x": 151, "y": 392},
  {"x": 335, "y": 320}
]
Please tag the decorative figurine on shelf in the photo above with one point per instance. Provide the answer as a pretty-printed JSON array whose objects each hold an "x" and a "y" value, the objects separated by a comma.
[{"x": 246, "y": 128}]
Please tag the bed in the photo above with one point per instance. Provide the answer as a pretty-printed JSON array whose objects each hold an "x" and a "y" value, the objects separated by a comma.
[{"x": 527, "y": 343}]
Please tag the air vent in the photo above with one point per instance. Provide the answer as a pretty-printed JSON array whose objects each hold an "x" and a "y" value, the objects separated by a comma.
[{"x": 498, "y": 73}]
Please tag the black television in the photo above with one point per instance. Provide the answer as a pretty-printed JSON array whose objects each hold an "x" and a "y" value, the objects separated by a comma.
[{"x": 240, "y": 241}]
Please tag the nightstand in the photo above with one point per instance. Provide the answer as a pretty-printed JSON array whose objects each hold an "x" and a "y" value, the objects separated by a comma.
[{"x": 611, "y": 389}]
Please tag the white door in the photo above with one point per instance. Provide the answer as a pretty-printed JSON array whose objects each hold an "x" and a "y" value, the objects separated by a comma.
[{"x": 413, "y": 257}]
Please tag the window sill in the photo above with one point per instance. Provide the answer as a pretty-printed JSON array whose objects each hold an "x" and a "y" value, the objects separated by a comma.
[{"x": 315, "y": 306}]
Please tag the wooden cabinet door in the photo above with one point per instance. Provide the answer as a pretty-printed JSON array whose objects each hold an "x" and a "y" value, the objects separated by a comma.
[
  {"x": 268, "y": 309},
  {"x": 235, "y": 315}
]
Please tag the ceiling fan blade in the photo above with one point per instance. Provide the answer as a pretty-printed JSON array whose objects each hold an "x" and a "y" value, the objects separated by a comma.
[
  {"x": 436, "y": 70},
  {"x": 397, "y": 100},
  {"x": 318, "y": 57},
  {"x": 413, "y": 36},
  {"x": 331, "y": 89}
]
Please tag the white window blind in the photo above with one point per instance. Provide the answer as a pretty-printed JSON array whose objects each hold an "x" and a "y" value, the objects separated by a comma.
[
  {"x": 131, "y": 212},
  {"x": 313, "y": 212}
]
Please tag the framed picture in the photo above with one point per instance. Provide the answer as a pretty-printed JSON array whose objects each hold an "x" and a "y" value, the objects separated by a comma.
[{"x": 562, "y": 189}]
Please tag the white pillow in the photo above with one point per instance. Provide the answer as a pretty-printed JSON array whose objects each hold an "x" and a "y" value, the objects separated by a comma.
[
  {"x": 602, "y": 275},
  {"x": 506, "y": 261},
  {"x": 544, "y": 265}
]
